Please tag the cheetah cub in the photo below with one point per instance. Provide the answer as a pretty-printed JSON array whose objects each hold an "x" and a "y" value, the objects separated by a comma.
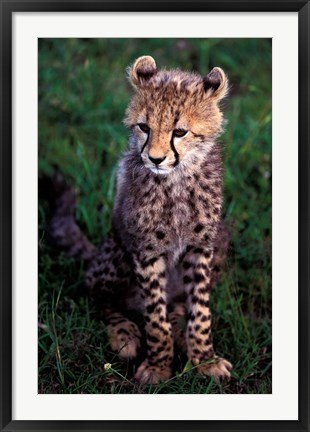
[{"x": 167, "y": 241}]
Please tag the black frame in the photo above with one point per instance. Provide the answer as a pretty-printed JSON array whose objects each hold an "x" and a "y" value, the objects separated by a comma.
[{"x": 7, "y": 8}]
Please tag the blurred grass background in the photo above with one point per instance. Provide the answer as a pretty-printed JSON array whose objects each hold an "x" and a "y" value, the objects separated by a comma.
[{"x": 83, "y": 93}]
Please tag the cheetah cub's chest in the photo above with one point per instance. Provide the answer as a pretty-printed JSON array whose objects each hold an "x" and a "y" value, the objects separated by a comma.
[{"x": 173, "y": 212}]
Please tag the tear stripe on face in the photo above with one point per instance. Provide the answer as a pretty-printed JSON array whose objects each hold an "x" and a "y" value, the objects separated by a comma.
[{"x": 146, "y": 141}]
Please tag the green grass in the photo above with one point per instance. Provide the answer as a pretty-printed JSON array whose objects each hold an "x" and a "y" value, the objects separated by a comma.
[{"x": 83, "y": 94}]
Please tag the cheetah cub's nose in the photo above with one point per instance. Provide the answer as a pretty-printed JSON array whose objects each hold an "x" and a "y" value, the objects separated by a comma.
[{"x": 157, "y": 161}]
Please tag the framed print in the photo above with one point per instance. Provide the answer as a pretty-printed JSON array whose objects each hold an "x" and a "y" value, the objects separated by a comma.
[{"x": 154, "y": 215}]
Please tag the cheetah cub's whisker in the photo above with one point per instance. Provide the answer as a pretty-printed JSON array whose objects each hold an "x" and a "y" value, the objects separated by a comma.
[{"x": 167, "y": 238}]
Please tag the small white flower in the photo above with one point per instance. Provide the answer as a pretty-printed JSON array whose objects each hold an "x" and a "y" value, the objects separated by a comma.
[{"x": 107, "y": 366}]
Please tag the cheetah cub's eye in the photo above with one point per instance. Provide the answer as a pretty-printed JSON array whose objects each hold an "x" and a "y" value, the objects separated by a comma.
[
  {"x": 179, "y": 133},
  {"x": 144, "y": 127}
]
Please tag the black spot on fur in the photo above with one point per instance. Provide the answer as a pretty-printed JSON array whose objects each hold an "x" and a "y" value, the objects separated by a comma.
[
  {"x": 155, "y": 325},
  {"x": 204, "y": 303},
  {"x": 160, "y": 235},
  {"x": 198, "y": 228},
  {"x": 186, "y": 265},
  {"x": 154, "y": 284},
  {"x": 149, "y": 262},
  {"x": 151, "y": 338},
  {"x": 195, "y": 299},
  {"x": 207, "y": 254},
  {"x": 198, "y": 277},
  {"x": 204, "y": 290},
  {"x": 187, "y": 280},
  {"x": 150, "y": 308}
]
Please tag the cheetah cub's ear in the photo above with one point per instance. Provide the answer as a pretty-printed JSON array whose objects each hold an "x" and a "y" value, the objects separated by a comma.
[
  {"x": 142, "y": 70},
  {"x": 216, "y": 84}
]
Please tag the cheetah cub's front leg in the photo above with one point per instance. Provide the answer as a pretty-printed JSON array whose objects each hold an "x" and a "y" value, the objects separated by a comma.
[
  {"x": 151, "y": 276},
  {"x": 197, "y": 279}
]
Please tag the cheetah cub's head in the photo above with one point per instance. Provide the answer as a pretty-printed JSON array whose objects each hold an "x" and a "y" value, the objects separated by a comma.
[{"x": 174, "y": 116}]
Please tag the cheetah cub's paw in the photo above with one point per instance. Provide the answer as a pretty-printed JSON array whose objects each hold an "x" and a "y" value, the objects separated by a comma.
[
  {"x": 149, "y": 374},
  {"x": 124, "y": 339},
  {"x": 219, "y": 369}
]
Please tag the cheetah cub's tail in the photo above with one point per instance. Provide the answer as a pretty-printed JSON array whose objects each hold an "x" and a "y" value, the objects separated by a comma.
[{"x": 61, "y": 229}]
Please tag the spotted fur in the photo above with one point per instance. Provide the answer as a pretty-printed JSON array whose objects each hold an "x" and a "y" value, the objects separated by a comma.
[{"x": 167, "y": 242}]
